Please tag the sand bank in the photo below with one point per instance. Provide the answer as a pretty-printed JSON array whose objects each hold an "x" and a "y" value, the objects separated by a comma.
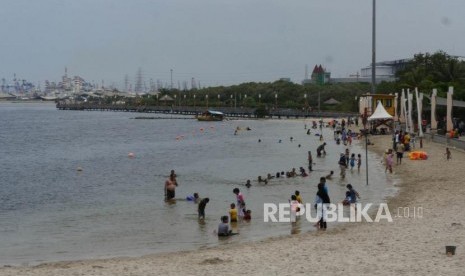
[{"x": 406, "y": 246}]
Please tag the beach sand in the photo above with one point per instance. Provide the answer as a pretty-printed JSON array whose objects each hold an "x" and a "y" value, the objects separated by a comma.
[{"x": 406, "y": 246}]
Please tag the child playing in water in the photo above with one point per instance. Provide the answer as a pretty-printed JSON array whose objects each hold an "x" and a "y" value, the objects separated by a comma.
[
  {"x": 239, "y": 196},
  {"x": 352, "y": 161},
  {"x": 353, "y": 194},
  {"x": 202, "y": 205},
  {"x": 242, "y": 211},
  {"x": 298, "y": 197},
  {"x": 330, "y": 175},
  {"x": 347, "y": 200},
  {"x": 223, "y": 228},
  {"x": 194, "y": 198},
  {"x": 233, "y": 213},
  {"x": 248, "y": 215}
]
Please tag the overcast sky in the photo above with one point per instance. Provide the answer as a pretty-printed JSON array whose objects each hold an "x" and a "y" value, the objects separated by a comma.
[{"x": 217, "y": 42}]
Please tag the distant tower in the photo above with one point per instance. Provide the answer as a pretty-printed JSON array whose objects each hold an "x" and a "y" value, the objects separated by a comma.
[
  {"x": 126, "y": 83},
  {"x": 139, "y": 81},
  {"x": 193, "y": 86}
]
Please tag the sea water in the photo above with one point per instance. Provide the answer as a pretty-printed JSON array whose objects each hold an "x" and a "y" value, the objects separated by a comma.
[{"x": 51, "y": 211}]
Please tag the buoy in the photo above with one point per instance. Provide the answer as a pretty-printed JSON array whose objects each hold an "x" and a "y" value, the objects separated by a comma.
[
  {"x": 131, "y": 155},
  {"x": 201, "y": 129},
  {"x": 79, "y": 169}
]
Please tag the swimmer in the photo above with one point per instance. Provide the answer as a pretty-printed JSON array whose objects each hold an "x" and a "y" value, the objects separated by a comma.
[
  {"x": 247, "y": 184},
  {"x": 330, "y": 175},
  {"x": 194, "y": 198}
]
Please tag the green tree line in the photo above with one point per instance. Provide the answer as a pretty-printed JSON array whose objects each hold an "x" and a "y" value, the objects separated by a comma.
[{"x": 424, "y": 71}]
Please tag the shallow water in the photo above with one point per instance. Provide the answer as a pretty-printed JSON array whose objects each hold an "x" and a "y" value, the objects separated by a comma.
[{"x": 49, "y": 211}]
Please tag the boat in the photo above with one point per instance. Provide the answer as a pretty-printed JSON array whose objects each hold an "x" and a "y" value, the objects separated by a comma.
[{"x": 211, "y": 115}]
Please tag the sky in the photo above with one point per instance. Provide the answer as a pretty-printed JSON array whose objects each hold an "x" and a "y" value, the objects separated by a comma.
[{"x": 217, "y": 42}]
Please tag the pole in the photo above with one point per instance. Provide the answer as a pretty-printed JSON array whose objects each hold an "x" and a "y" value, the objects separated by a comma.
[
  {"x": 171, "y": 71},
  {"x": 365, "y": 122},
  {"x": 373, "y": 47}
]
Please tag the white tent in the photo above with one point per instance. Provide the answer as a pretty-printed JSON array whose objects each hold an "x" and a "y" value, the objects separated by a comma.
[{"x": 380, "y": 113}]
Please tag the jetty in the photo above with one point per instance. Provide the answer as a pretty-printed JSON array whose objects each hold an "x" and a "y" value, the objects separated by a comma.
[{"x": 231, "y": 112}]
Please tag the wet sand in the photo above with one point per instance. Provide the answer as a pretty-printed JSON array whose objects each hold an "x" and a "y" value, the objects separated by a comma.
[{"x": 406, "y": 246}]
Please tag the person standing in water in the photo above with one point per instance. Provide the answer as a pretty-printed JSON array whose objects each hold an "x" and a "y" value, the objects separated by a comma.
[
  {"x": 201, "y": 207},
  {"x": 342, "y": 165},
  {"x": 170, "y": 187},
  {"x": 320, "y": 150},
  {"x": 310, "y": 161}
]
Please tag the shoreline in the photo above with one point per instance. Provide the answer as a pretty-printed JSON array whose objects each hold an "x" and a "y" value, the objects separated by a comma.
[{"x": 402, "y": 247}]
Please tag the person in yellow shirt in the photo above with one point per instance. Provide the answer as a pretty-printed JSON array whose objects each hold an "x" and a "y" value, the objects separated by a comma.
[
  {"x": 233, "y": 213},
  {"x": 298, "y": 197},
  {"x": 407, "y": 142}
]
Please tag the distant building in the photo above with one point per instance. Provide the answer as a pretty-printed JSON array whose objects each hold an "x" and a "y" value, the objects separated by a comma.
[
  {"x": 385, "y": 71},
  {"x": 319, "y": 76}
]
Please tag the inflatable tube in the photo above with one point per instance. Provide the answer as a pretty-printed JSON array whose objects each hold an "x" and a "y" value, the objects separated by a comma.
[{"x": 418, "y": 155}]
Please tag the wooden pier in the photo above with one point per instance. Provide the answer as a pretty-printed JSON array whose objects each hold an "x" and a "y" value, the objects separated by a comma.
[{"x": 231, "y": 112}]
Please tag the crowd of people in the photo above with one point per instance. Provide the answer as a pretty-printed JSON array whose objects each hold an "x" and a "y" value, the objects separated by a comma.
[{"x": 238, "y": 211}]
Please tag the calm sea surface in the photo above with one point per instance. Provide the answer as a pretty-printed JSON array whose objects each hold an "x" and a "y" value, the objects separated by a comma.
[{"x": 49, "y": 211}]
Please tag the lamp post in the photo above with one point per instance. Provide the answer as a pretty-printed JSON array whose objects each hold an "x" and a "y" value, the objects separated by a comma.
[
  {"x": 373, "y": 51},
  {"x": 206, "y": 98},
  {"x": 275, "y": 100},
  {"x": 184, "y": 99},
  {"x": 194, "y": 104},
  {"x": 306, "y": 104},
  {"x": 174, "y": 105},
  {"x": 259, "y": 98},
  {"x": 365, "y": 122},
  {"x": 245, "y": 100},
  {"x": 171, "y": 71},
  {"x": 157, "y": 99},
  {"x": 218, "y": 100},
  {"x": 231, "y": 100}
]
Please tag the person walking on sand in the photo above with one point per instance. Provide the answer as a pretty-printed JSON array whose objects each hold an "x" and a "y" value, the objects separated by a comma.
[
  {"x": 400, "y": 148},
  {"x": 359, "y": 161},
  {"x": 389, "y": 161},
  {"x": 448, "y": 154}
]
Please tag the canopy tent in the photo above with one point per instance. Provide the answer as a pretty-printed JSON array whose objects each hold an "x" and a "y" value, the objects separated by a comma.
[
  {"x": 166, "y": 98},
  {"x": 381, "y": 117},
  {"x": 332, "y": 101},
  {"x": 380, "y": 113}
]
